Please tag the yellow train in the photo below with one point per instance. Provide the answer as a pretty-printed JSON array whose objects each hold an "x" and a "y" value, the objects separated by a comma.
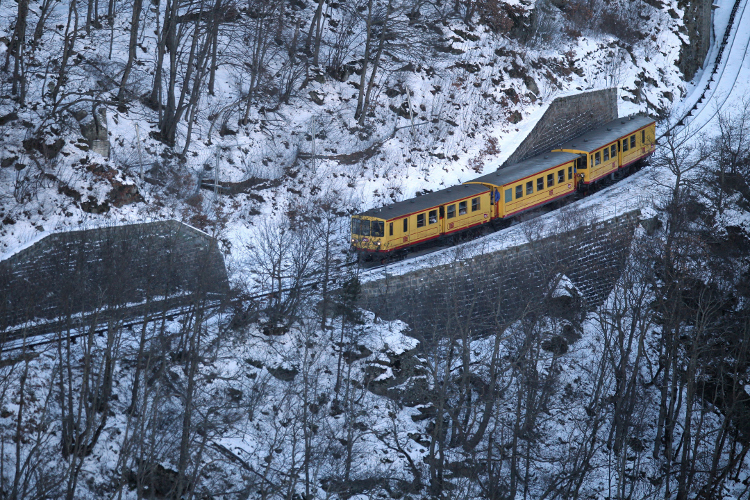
[{"x": 500, "y": 195}]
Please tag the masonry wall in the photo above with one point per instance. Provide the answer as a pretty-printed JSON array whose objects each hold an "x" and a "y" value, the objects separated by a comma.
[
  {"x": 487, "y": 291},
  {"x": 109, "y": 270},
  {"x": 565, "y": 119}
]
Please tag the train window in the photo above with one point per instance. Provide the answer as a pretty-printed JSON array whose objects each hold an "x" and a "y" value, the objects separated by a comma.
[
  {"x": 508, "y": 195},
  {"x": 597, "y": 158},
  {"x": 451, "y": 211},
  {"x": 377, "y": 228},
  {"x": 632, "y": 141},
  {"x": 355, "y": 226},
  {"x": 613, "y": 152},
  {"x": 606, "y": 154},
  {"x": 519, "y": 191},
  {"x": 643, "y": 137},
  {"x": 364, "y": 228},
  {"x": 475, "y": 204},
  {"x": 570, "y": 173},
  {"x": 561, "y": 176},
  {"x": 462, "y": 208},
  {"x": 390, "y": 229},
  {"x": 529, "y": 187},
  {"x": 581, "y": 163},
  {"x": 406, "y": 224},
  {"x": 624, "y": 145},
  {"x": 420, "y": 220},
  {"x": 550, "y": 180},
  {"x": 433, "y": 216},
  {"x": 540, "y": 184}
]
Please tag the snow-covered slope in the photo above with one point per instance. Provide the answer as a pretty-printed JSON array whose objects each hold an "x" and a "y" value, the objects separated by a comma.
[
  {"x": 473, "y": 93},
  {"x": 347, "y": 411}
]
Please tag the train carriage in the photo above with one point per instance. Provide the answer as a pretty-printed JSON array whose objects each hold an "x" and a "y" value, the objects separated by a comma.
[
  {"x": 531, "y": 183},
  {"x": 507, "y": 192},
  {"x": 421, "y": 219},
  {"x": 615, "y": 146}
]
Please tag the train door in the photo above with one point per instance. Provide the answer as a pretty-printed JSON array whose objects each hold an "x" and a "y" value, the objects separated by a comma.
[
  {"x": 580, "y": 167},
  {"x": 619, "y": 154},
  {"x": 441, "y": 219}
]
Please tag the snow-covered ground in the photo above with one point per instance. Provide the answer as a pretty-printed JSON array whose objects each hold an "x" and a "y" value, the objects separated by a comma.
[
  {"x": 724, "y": 91},
  {"x": 269, "y": 429},
  {"x": 458, "y": 113}
]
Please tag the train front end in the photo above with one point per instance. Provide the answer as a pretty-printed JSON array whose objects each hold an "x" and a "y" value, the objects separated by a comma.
[{"x": 368, "y": 234}]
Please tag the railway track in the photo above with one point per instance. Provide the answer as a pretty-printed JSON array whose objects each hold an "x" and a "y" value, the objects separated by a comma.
[
  {"x": 43, "y": 333},
  {"x": 718, "y": 74},
  {"x": 372, "y": 267}
]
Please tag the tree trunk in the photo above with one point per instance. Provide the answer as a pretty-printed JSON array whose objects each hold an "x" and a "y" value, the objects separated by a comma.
[
  {"x": 137, "y": 4},
  {"x": 19, "y": 43},
  {"x": 89, "y": 15},
  {"x": 358, "y": 113},
  {"x": 68, "y": 44},
  {"x": 214, "y": 46},
  {"x": 315, "y": 27},
  {"x": 191, "y": 370},
  {"x": 375, "y": 65},
  {"x": 161, "y": 47}
]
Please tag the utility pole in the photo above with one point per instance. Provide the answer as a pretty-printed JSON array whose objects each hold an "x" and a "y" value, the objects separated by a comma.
[
  {"x": 313, "y": 145},
  {"x": 411, "y": 113},
  {"x": 140, "y": 158},
  {"x": 216, "y": 178}
]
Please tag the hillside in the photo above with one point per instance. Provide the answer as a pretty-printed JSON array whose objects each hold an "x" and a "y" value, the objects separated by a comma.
[
  {"x": 306, "y": 112},
  {"x": 475, "y": 79}
]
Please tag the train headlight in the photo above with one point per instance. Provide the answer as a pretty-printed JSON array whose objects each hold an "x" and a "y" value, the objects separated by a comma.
[
  {"x": 377, "y": 243},
  {"x": 353, "y": 240}
]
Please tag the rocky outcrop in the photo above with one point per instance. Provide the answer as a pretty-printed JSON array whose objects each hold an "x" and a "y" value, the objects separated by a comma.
[
  {"x": 94, "y": 129},
  {"x": 47, "y": 149},
  {"x": 697, "y": 20},
  {"x": 400, "y": 377}
]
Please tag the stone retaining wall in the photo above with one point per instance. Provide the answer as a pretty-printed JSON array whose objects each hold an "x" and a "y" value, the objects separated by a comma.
[
  {"x": 488, "y": 290},
  {"x": 110, "y": 270},
  {"x": 565, "y": 119}
]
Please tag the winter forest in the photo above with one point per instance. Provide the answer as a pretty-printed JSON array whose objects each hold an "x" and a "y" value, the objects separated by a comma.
[{"x": 263, "y": 125}]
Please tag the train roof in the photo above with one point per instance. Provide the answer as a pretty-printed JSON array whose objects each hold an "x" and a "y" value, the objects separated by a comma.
[
  {"x": 607, "y": 133},
  {"x": 429, "y": 200},
  {"x": 526, "y": 168}
]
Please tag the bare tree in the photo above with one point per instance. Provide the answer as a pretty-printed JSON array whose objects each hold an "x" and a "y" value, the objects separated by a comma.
[
  {"x": 373, "y": 19},
  {"x": 134, "y": 23},
  {"x": 69, "y": 41},
  {"x": 17, "y": 49},
  {"x": 264, "y": 23}
]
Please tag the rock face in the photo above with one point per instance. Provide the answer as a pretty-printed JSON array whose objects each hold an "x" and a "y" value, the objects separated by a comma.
[
  {"x": 400, "y": 377},
  {"x": 698, "y": 28},
  {"x": 94, "y": 129}
]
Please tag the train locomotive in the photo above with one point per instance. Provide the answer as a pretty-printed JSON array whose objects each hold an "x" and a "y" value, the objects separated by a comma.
[{"x": 499, "y": 196}]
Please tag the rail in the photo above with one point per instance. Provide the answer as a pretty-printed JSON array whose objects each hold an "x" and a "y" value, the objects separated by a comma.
[{"x": 727, "y": 39}]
